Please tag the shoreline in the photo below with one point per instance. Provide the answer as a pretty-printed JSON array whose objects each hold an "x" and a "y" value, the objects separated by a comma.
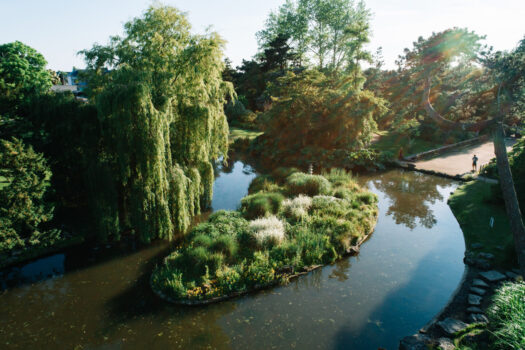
[{"x": 352, "y": 251}]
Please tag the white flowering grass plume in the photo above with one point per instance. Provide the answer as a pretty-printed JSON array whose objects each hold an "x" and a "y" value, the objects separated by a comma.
[
  {"x": 297, "y": 208},
  {"x": 268, "y": 229}
]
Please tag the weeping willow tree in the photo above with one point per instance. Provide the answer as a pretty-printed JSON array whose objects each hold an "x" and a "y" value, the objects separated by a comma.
[{"x": 160, "y": 97}]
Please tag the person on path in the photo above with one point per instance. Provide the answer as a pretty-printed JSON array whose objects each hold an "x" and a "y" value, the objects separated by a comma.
[{"x": 474, "y": 163}]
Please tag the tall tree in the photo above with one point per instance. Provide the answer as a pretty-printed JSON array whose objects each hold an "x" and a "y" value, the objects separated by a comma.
[
  {"x": 314, "y": 114},
  {"x": 160, "y": 96},
  {"x": 22, "y": 74},
  {"x": 331, "y": 33},
  {"x": 24, "y": 210},
  {"x": 443, "y": 49}
]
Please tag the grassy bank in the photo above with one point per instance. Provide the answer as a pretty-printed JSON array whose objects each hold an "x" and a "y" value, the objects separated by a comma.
[
  {"x": 392, "y": 141},
  {"x": 287, "y": 225},
  {"x": 473, "y": 205},
  {"x": 236, "y": 133},
  {"x": 506, "y": 327}
]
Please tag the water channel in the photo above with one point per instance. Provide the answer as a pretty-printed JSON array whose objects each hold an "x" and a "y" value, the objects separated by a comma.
[{"x": 99, "y": 298}]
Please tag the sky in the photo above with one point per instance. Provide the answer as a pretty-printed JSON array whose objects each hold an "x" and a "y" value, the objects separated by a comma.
[{"x": 60, "y": 28}]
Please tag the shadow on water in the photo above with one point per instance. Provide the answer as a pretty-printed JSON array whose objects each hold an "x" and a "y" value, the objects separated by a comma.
[
  {"x": 396, "y": 315},
  {"x": 101, "y": 299}
]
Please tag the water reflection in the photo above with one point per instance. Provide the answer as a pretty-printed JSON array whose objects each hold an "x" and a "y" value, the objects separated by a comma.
[
  {"x": 401, "y": 278},
  {"x": 231, "y": 184},
  {"x": 411, "y": 196}
]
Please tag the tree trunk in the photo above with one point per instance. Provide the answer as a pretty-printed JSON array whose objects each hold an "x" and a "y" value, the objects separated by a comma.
[
  {"x": 502, "y": 161},
  {"x": 509, "y": 195}
]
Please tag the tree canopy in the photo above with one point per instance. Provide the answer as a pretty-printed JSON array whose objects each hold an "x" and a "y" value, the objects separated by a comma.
[
  {"x": 22, "y": 74},
  {"x": 328, "y": 33},
  {"x": 314, "y": 114},
  {"x": 160, "y": 95}
]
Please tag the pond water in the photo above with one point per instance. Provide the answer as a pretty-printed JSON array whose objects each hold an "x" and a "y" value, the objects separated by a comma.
[{"x": 100, "y": 298}]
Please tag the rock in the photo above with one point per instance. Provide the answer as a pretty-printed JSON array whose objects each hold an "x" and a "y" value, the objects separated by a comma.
[
  {"x": 511, "y": 275},
  {"x": 488, "y": 256},
  {"x": 483, "y": 264},
  {"x": 470, "y": 261},
  {"x": 476, "y": 246},
  {"x": 474, "y": 299},
  {"x": 492, "y": 276},
  {"x": 445, "y": 344},
  {"x": 478, "y": 291},
  {"x": 415, "y": 342},
  {"x": 474, "y": 310},
  {"x": 451, "y": 326},
  {"x": 478, "y": 318},
  {"x": 479, "y": 283}
]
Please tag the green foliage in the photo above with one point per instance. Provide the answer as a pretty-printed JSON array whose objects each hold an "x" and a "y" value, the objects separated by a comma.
[
  {"x": 229, "y": 254},
  {"x": 24, "y": 211},
  {"x": 160, "y": 107},
  {"x": 507, "y": 316},
  {"x": 509, "y": 71},
  {"x": 331, "y": 33},
  {"x": 261, "y": 204},
  {"x": 22, "y": 75},
  {"x": 314, "y": 117},
  {"x": 67, "y": 132},
  {"x": 239, "y": 116},
  {"x": 473, "y": 206},
  {"x": 452, "y": 58},
  {"x": 310, "y": 185}
]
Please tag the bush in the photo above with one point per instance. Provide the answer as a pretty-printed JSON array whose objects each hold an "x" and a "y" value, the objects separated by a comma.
[
  {"x": 263, "y": 183},
  {"x": 507, "y": 316},
  {"x": 24, "y": 211},
  {"x": 280, "y": 174},
  {"x": 261, "y": 204},
  {"x": 310, "y": 185},
  {"x": 226, "y": 245}
]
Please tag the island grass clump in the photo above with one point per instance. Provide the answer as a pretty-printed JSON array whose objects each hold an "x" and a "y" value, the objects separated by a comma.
[{"x": 310, "y": 220}]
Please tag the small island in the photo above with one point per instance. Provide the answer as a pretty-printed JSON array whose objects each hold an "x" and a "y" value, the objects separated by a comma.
[{"x": 289, "y": 224}]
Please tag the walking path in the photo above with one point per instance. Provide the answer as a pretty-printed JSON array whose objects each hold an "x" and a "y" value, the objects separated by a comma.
[{"x": 459, "y": 162}]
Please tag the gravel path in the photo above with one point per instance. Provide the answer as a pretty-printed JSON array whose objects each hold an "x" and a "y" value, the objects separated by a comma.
[{"x": 459, "y": 162}]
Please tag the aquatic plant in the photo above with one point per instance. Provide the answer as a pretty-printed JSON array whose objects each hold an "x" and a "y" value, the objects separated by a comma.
[{"x": 229, "y": 254}]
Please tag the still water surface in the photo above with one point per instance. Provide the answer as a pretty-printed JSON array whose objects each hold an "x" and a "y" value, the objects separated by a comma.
[{"x": 100, "y": 299}]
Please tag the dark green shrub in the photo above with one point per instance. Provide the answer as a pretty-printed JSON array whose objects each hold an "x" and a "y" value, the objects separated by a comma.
[
  {"x": 261, "y": 204},
  {"x": 280, "y": 174},
  {"x": 310, "y": 185},
  {"x": 286, "y": 254},
  {"x": 225, "y": 244},
  {"x": 260, "y": 183},
  {"x": 192, "y": 262},
  {"x": 25, "y": 212},
  {"x": 202, "y": 241}
]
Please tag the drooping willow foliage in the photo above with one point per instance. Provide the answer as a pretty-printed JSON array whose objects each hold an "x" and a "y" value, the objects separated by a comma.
[{"x": 160, "y": 97}]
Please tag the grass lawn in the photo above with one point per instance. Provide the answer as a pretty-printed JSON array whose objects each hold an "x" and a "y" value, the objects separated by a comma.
[
  {"x": 393, "y": 141},
  {"x": 236, "y": 133},
  {"x": 473, "y": 210}
]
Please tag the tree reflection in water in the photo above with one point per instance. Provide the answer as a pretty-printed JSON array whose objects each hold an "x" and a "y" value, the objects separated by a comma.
[{"x": 410, "y": 194}]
